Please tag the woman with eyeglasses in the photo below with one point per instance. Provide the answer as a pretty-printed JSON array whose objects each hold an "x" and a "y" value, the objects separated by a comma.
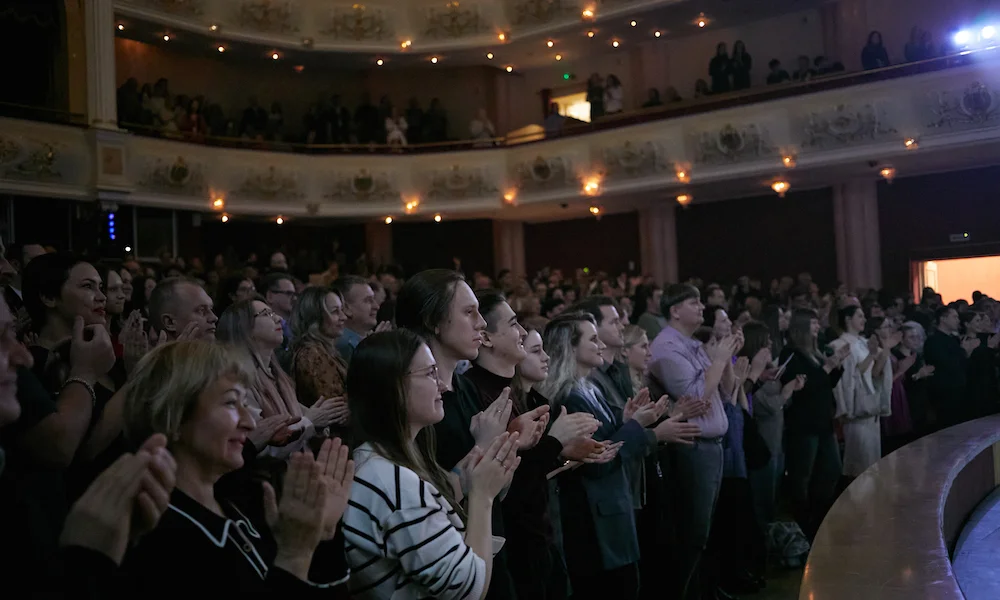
[
  {"x": 407, "y": 534},
  {"x": 253, "y": 327}
]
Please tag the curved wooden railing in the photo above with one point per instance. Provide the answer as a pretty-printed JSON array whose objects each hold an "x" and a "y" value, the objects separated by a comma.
[{"x": 891, "y": 533}]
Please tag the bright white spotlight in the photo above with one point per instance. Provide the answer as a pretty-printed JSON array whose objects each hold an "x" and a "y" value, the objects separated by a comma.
[
  {"x": 989, "y": 32},
  {"x": 963, "y": 37}
]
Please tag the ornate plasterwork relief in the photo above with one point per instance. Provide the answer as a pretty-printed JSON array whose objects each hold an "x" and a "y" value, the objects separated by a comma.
[
  {"x": 543, "y": 173},
  {"x": 977, "y": 105},
  {"x": 542, "y": 12},
  {"x": 181, "y": 8},
  {"x": 272, "y": 184},
  {"x": 178, "y": 176},
  {"x": 460, "y": 182},
  {"x": 359, "y": 23},
  {"x": 732, "y": 143},
  {"x": 28, "y": 160},
  {"x": 363, "y": 185},
  {"x": 637, "y": 159},
  {"x": 455, "y": 20},
  {"x": 846, "y": 124},
  {"x": 268, "y": 16}
]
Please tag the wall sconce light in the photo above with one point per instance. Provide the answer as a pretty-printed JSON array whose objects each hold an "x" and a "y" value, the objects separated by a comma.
[
  {"x": 406, "y": 44},
  {"x": 911, "y": 143},
  {"x": 166, "y": 37},
  {"x": 221, "y": 49},
  {"x": 213, "y": 27},
  {"x": 411, "y": 206},
  {"x": 615, "y": 44},
  {"x": 219, "y": 203},
  {"x": 788, "y": 160},
  {"x": 434, "y": 60},
  {"x": 437, "y": 218},
  {"x": 388, "y": 220},
  {"x": 888, "y": 173},
  {"x": 509, "y": 68},
  {"x": 657, "y": 34},
  {"x": 780, "y": 188},
  {"x": 595, "y": 210},
  {"x": 225, "y": 218},
  {"x": 380, "y": 62},
  {"x": 588, "y": 13},
  {"x": 509, "y": 196},
  {"x": 489, "y": 55},
  {"x": 275, "y": 56},
  {"x": 592, "y": 187},
  {"x": 502, "y": 36},
  {"x": 590, "y": 34},
  {"x": 121, "y": 27},
  {"x": 279, "y": 220},
  {"x": 683, "y": 176},
  {"x": 684, "y": 199}
]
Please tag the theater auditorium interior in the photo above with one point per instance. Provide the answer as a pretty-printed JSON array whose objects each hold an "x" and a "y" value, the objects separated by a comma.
[{"x": 662, "y": 299}]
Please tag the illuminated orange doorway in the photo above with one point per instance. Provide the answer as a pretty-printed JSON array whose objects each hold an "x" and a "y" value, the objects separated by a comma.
[{"x": 957, "y": 278}]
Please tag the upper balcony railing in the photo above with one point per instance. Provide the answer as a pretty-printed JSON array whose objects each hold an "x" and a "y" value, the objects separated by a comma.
[{"x": 935, "y": 108}]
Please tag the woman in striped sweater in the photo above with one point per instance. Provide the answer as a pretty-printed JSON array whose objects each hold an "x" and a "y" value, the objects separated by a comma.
[{"x": 404, "y": 527}]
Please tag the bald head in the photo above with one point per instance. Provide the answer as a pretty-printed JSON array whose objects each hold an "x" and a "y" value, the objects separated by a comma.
[{"x": 179, "y": 303}]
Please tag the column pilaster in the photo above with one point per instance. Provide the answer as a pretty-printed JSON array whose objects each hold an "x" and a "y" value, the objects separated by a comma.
[
  {"x": 99, "y": 21},
  {"x": 856, "y": 233},
  {"x": 508, "y": 247},
  {"x": 658, "y": 242}
]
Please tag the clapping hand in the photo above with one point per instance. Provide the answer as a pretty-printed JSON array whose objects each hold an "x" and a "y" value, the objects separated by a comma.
[
  {"x": 640, "y": 400},
  {"x": 690, "y": 407},
  {"x": 493, "y": 421},
  {"x": 530, "y": 425},
  {"x": 90, "y": 359},
  {"x": 994, "y": 341},
  {"x": 761, "y": 361},
  {"x": 651, "y": 412},
  {"x": 969, "y": 344},
  {"x": 675, "y": 431},
  {"x": 741, "y": 370},
  {"x": 327, "y": 411},
  {"x": 925, "y": 371},
  {"x": 124, "y": 501},
  {"x": 581, "y": 448},
  {"x": 793, "y": 386},
  {"x": 135, "y": 343},
  {"x": 873, "y": 346},
  {"x": 496, "y": 467},
  {"x": 300, "y": 519},
  {"x": 567, "y": 427},
  {"x": 606, "y": 454},
  {"x": 383, "y": 327},
  {"x": 337, "y": 474},
  {"x": 274, "y": 431},
  {"x": 832, "y": 362},
  {"x": 724, "y": 350}
]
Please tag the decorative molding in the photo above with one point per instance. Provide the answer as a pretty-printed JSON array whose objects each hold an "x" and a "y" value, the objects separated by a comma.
[
  {"x": 173, "y": 177},
  {"x": 543, "y": 12},
  {"x": 358, "y": 23},
  {"x": 34, "y": 161},
  {"x": 275, "y": 184},
  {"x": 362, "y": 185},
  {"x": 453, "y": 21},
  {"x": 543, "y": 173},
  {"x": 978, "y": 105},
  {"x": 458, "y": 182},
  {"x": 9, "y": 150},
  {"x": 267, "y": 16},
  {"x": 634, "y": 159},
  {"x": 846, "y": 124},
  {"x": 181, "y": 8},
  {"x": 733, "y": 143}
]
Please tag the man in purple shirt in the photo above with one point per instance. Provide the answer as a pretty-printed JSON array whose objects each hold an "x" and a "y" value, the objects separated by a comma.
[{"x": 684, "y": 367}]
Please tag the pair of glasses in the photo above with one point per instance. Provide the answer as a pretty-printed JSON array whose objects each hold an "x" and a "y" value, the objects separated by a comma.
[
  {"x": 266, "y": 312},
  {"x": 431, "y": 371}
]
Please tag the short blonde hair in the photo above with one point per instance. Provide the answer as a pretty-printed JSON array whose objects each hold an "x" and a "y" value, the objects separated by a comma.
[
  {"x": 162, "y": 392},
  {"x": 633, "y": 335}
]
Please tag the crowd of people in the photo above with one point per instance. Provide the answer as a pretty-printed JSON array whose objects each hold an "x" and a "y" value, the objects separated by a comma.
[{"x": 449, "y": 436}]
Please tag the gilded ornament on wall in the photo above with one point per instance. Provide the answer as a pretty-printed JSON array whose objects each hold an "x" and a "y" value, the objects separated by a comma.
[
  {"x": 359, "y": 23},
  {"x": 977, "y": 105},
  {"x": 364, "y": 186},
  {"x": 184, "y": 8},
  {"x": 543, "y": 173},
  {"x": 275, "y": 184},
  {"x": 846, "y": 124},
  {"x": 9, "y": 150},
  {"x": 634, "y": 160},
  {"x": 460, "y": 183},
  {"x": 172, "y": 177},
  {"x": 270, "y": 16},
  {"x": 733, "y": 143},
  {"x": 38, "y": 163},
  {"x": 455, "y": 20},
  {"x": 539, "y": 12}
]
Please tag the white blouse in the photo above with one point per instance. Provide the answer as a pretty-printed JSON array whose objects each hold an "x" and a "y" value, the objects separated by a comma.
[{"x": 403, "y": 539}]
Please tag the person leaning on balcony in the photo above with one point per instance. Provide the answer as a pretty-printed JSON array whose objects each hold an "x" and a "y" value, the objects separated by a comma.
[
  {"x": 720, "y": 69},
  {"x": 874, "y": 55}
]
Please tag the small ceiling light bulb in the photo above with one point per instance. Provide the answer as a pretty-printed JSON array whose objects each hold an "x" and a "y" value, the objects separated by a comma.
[
  {"x": 213, "y": 28},
  {"x": 558, "y": 56},
  {"x": 588, "y": 13},
  {"x": 510, "y": 68},
  {"x": 509, "y": 196},
  {"x": 380, "y": 62},
  {"x": 121, "y": 27},
  {"x": 590, "y": 34},
  {"x": 780, "y": 187},
  {"x": 888, "y": 173},
  {"x": 502, "y": 36},
  {"x": 656, "y": 34},
  {"x": 275, "y": 56},
  {"x": 279, "y": 220},
  {"x": 437, "y": 218},
  {"x": 406, "y": 44},
  {"x": 225, "y": 218},
  {"x": 702, "y": 23},
  {"x": 166, "y": 37},
  {"x": 633, "y": 23},
  {"x": 683, "y": 176},
  {"x": 788, "y": 160},
  {"x": 615, "y": 43},
  {"x": 684, "y": 199},
  {"x": 910, "y": 143},
  {"x": 550, "y": 43},
  {"x": 595, "y": 210},
  {"x": 592, "y": 187},
  {"x": 222, "y": 49},
  {"x": 489, "y": 55},
  {"x": 434, "y": 60},
  {"x": 388, "y": 220},
  {"x": 218, "y": 203},
  {"x": 128, "y": 248}
]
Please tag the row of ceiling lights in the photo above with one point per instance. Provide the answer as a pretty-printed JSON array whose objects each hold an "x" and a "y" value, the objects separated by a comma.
[{"x": 588, "y": 14}]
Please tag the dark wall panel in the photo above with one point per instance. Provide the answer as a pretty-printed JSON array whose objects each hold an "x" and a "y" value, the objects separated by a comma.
[{"x": 608, "y": 244}]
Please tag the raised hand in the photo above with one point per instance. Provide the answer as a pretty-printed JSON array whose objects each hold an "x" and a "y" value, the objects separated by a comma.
[
  {"x": 690, "y": 407},
  {"x": 496, "y": 468},
  {"x": 273, "y": 431},
  {"x": 301, "y": 515},
  {"x": 191, "y": 332},
  {"x": 760, "y": 363},
  {"x": 383, "y": 327},
  {"x": 90, "y": 359},
  {"x": 464, "y": 469},
  {"x": 675, "y": 431},
  {"x": 135, "y": 343},
  {"x": 531, "y": 425},
  {"x": 969, "y": 344},
  {"x": 994, "y": 341},
  {"x": 651, "y": 412},
  {"x": 337, "y": 474},
  {"x": 327, "y": 411},
  {"x": 925, "y": 371},
  {"x": 568, "y": 427},
  {"x": 873, "y": 346},
  {"x": 724, "y": 350},
  {"x": 741, "y": 370},
  {"x": 607, "y": 454},
  {"x": 580, "y": 449},
  {"x": 493, "y": 421}
]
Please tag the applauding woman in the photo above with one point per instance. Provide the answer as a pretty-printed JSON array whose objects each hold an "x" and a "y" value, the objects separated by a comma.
[
  {"x": 222, "y": 535},
  {"x": 404, "y": 525}
]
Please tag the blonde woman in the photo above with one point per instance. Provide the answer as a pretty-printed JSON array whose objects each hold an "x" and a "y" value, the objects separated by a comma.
[{"x": 636, "y": 354}]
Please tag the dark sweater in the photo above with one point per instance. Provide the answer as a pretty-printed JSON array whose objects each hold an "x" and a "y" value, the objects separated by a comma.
[{"x": 811, "y": 409}]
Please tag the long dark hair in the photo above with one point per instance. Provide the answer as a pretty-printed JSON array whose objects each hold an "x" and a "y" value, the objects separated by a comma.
[
  {"x": 756, "y": 336},
  {"x": 376, "y": 395}
]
